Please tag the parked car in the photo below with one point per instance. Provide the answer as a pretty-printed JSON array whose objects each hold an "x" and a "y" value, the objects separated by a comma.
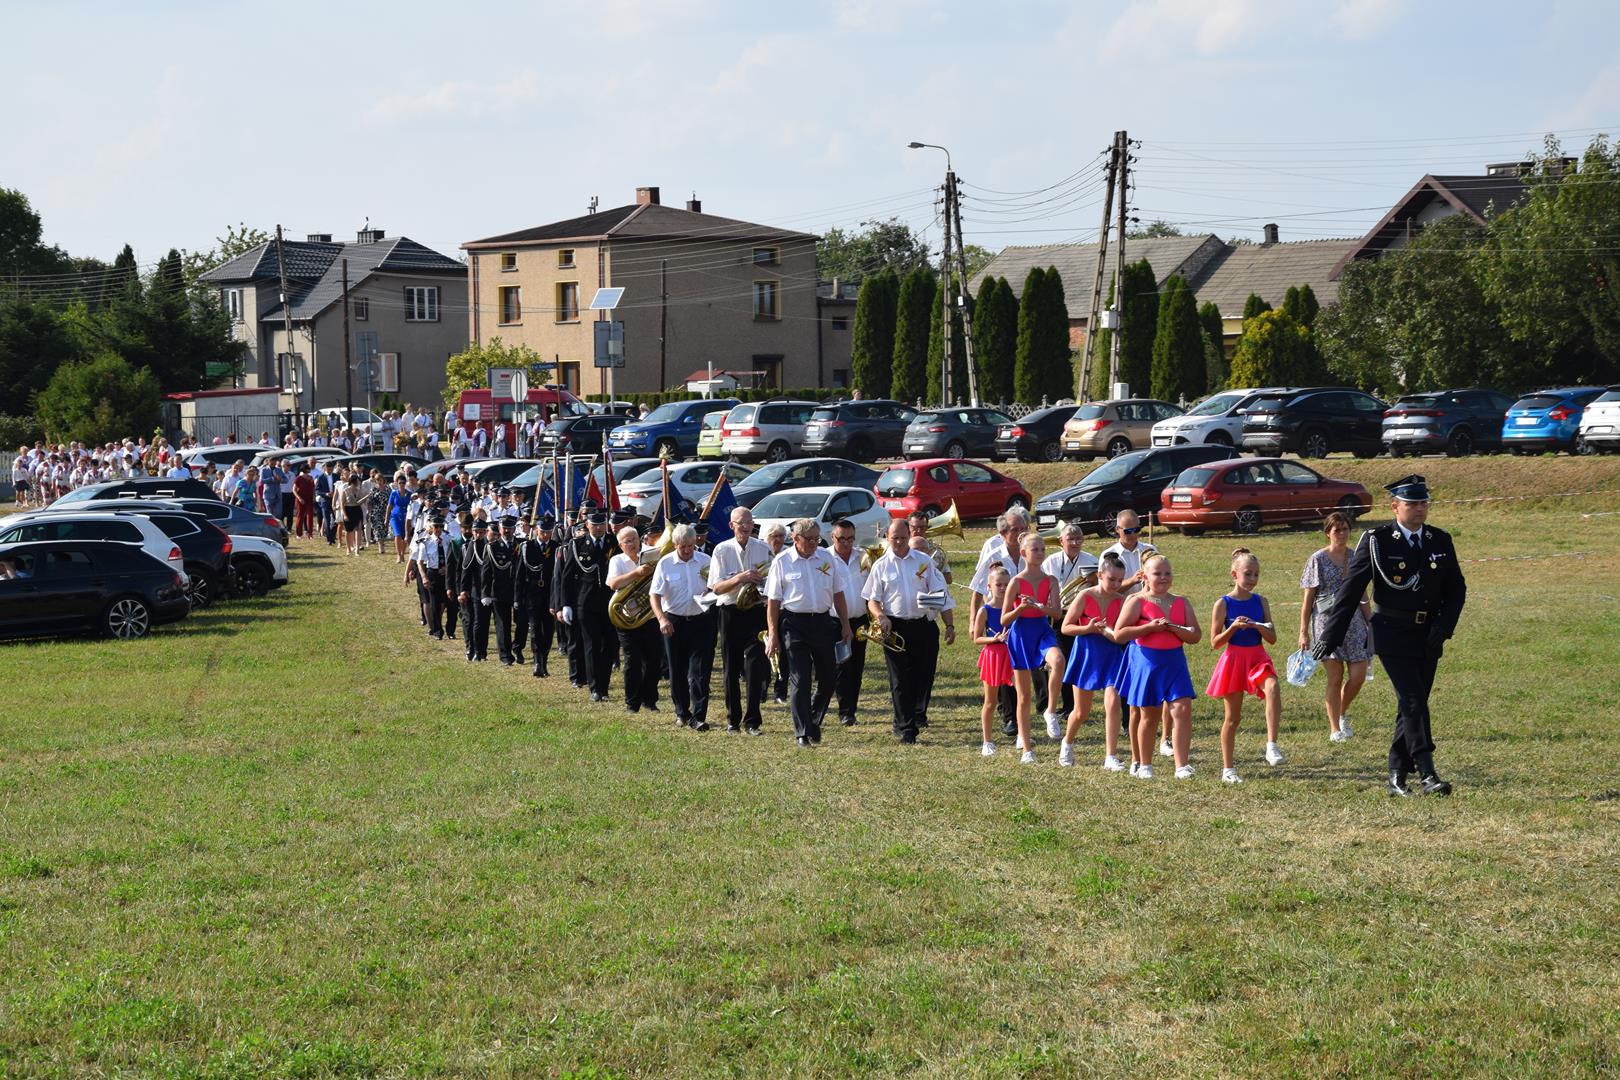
[
  {"x": 223, "y": 457},
  {"x": 765, "y": 430},
  {"x": 293, "y": 456},
  {"x": 1547, "y": 419},
  {"x": 1455, "y": 422},
  {"x": 361, "y": 420},
  {"x": 671, "y": 430},
  {"x": 955, "y": 432},
  {"x": 1245, "y": 494},
  {"x": 138, "y": 487},
  {"x": 1600, "y": 424},
  {"x": 67, "y": 586},
  {"x": 1315, "y": 422},
  {"x": 235, "y": 520},
  {"x": 708, "y": 446},
  {"x": 524, "y": 483},
  {"x": 1037, "y": 436},
  {"x": 387, "y": 464},
  {"x": 932, "y": 484},
  {"x": 257, "y": 565},
  {"x": 124, "y": 527},
  {"x": 499, "y": 471},
  {"x": 578, "y": 434},
  {"x": 1128, "y": 482},
  {"x": 690, "y": 480},
  {"x": 612, "y": 408},
  {"x": 447, "y": 466},
  {"x": 859, "y": 430},
  {"x": 803, "y": 472},
  {"x": 1217, "y": 419},
  {"x": 825, "y": 505},
  {"x": 1112, "y": 428}
]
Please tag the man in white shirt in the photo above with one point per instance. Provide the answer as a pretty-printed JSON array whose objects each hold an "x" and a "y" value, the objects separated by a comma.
[
  {"x": 687, "y": 625},
  {"x": 1130, "y": 549},
  {"x": 1069, "y": 564},
  {"x": 641, "y": 647},
  {"x": 902, "y": 592},
  {"x": 739, "y": 568},
  {"x": 804, "y": 584},
  {"x": 852, "y": 670}
]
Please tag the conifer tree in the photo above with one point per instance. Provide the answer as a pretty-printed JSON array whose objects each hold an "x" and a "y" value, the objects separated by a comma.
[
  {"x": 1209, "y": 317},
  {"x": 910, "y": 361},
  {"x": 1178, "y": 344},
  {"x": 1100, "y": 341},
  {"x": 1139, "y": 292},
  {"x": 872, "y": 345}
]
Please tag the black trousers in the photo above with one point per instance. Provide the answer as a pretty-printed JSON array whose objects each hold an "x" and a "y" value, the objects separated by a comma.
[
  {"x": 851, "y": 671},
  {"x": 691, "y": 662},
  {"x": 600, "y": 642},
  {"x": 1410, "y": 663},
  {"x": 573, "y": 647},
  {"x": 433, "y": 601},
  {"x": 501, "y": 611},
  {"x": 452, "y": 611},
  {"x": 809, "y": 640},
  {"x": 743, "y": 668},
  {"x": 536, "y": 626},
  {"x": 480, "y": 624},
  {"x": 911, "y": 674},
  {"x": 642, "y": 649}
]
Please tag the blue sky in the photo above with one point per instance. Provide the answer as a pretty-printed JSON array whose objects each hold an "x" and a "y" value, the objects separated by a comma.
[{"x": 161, "y": 123}]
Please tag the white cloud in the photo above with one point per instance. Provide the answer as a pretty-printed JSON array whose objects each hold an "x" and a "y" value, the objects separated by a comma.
[
  {"x": 457, "y": 98},
  {"x": 882, "y": 16},
  {"x": 1209, "y": 27},
  {"x": 1361, "y": 19}
]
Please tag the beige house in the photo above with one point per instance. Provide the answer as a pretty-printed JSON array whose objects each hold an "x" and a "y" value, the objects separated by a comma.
[
  {"x": 698, "y": 289},
  {"x": 406, "y": 304}
]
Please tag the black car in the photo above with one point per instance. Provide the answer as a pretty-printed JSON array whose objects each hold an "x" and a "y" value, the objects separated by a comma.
[
  {"x": 858, "y": 430},
  {"x": 139, "y": 487},
  {"x": 1315, "y": 422},
  {"x": 234, "y": 520},
  {"x": 964, "y": 432},
  {"x": 70, "y": 586},
  {"x": 578, "y": 434},
  {"x": 805, "y": 472},
  {"x": 1131, "y": 481},
  {"x": 1036, "y": 437},
  {"x": 1455, "y": 422},
  {"x": 206, "y": 549},
  {"x": 387, "y": 464}
]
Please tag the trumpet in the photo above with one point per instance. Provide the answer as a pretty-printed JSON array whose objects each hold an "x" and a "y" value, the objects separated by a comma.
[
  {"x": 894, "y": 641},
  {"x": 775, "y": 658}
]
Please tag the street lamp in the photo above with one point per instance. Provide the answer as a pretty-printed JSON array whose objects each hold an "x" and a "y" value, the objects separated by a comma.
[{"x": 932, "y": 146}]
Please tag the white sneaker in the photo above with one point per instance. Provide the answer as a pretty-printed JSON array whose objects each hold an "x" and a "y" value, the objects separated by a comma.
[
  {"x": 1166, "y": 750},
  {"x": 1018, "y": 744},
  {"x": 1028, "y": 758},
  {"x": 1344, "y": 727},
  {"x": 1184, "y": 772},
  {"x": 1111, "y": 763},
  {"x": 1066, "y": 754},
  {"x": 1135, "y": 768},
  {"x": 1054, "y": 726},
  {"x": 1274, "y": 754},
  {"x": 988, "y": 749},
  {"x": 1338, "y": 736},
  {"x": 1230, "y": 776},
  {"x": 1144, "y": 772}
]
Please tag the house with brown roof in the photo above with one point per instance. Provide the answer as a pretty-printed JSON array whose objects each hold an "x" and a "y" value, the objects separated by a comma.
[{"x": 698, "y": 289}]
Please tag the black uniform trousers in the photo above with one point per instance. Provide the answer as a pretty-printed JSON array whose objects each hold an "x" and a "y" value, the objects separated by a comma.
[
  {"x": 1403, "y": 649},
  {"x": 452, "y": 607},
  {"x": 643, "y": 650},
  {"x": 743, "y": 667},
  {"x": 911, "y": 674},
  {"x": 691, "y": 662},
  {"x": 536, "y": 625},
  {"x": 851, "y": 671},
  {"x": 501, "y": 612},
  {"x": 433, "y": 600},
  {"x": 809, "y": 639},
  {"x": 480, "y": 612},
  {"x": 598, "y": 639}
]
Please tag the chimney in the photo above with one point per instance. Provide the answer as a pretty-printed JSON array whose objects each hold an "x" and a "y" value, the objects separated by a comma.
[
  {"x": 693, "y": 204},
  {"x": 368, "y": 236},
  {"x": 646, "y": 196},
  {"x": 319, "y": 238},
  {"x": 1271, "y": 233}
]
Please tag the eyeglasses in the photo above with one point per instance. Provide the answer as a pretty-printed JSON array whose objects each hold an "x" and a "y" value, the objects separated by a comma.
[{"x": 1130, "y": 532}]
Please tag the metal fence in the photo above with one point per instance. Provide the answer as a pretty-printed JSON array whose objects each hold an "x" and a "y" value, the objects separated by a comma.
[{"x": 7, "y": 457}]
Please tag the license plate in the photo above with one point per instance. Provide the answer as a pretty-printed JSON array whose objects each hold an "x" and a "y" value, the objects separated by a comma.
[
  {"x": 1070, "y": 444},
  {"x": 891, "y": 504},
  {"x": 1596, "y": 429},
  {"x": 1046, "y": 519},
  {"x": 1525, "y": 421},
  {"x": 918, "y": 447},
  {"x": 1161, "y": 440},
  {"x": 1181, "y": 498}
]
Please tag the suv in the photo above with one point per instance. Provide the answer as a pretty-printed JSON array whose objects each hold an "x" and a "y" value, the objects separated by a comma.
[
  {"x": 766, "y": 430},
  {"x": 139, "y": 487},
  {"x": 1600, "y": 424},
  {"x": 1113, "y": 427},
  {"x": 955, "y": 433},
  {"x": 1132, "y": 481},
  {"x": 578, "y": 434},
  {"x": 1547, "y": 419},
  {"x": 235, "y": 520},
  {"x": 1034, "y": 437},
  {"x": 859, "y": 430},
  {"x": 671, "y": 430},
  {"x": 123, "y": 528},
  {"x": 1455, "y": 421},
  {"x": 1315, "y": 422},
  {"x": 65, "y": 586},
  {"x": 1218, "y": 419}
]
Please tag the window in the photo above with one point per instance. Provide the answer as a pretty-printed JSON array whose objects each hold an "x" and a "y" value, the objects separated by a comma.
[
  {"x": 840, "y": 322},
  {"x": 508, "y": 261},
  {"x": 1295, "y": 474},
  {"x": 767, "y": 256},
  {"x": 973, "y": 474},
  {"x": 421, "y": 303},
  {"x": 841, "y": 378},
  {"x": 233, "y": 303},
  {"x": 362, "y": 308},
  {"x": 511, "y": 304},
  {"x": 770, "y": 370},
  {"x": 767, "y": 302},
  {"x": 567, "y": 301},
  {"x": 565, "y": 258},
  {"x": 568, "y": 375}
]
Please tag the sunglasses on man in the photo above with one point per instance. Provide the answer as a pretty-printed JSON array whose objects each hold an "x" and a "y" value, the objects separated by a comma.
[{"x": 1130, "y": 532}]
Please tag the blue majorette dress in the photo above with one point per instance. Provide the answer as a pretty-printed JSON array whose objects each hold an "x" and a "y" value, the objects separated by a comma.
[{"x": 1155, "y": 664}]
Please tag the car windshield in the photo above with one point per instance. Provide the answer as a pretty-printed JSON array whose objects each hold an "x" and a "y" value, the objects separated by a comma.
[
  {"x": 1272, "y": 403},
  {"x": 1218, "y": 405},
  {"x": 667, "y": 413},
  {"x": 712, "y": 421},
  {"x": 529, "y": 477},
  {"x": 765, "y": 476},
  {"x": 790, "y": 504},
  {"x": 1111, "y": 471},
  {"x": 1089, "y": 412},
  {"x": 77, "y": 495},
  {"x": 824, "y": 414},
  {"x": 1612, "y": 394},
  {"x": 1537, "y": 401},
  {"x": 1194, "y": 478},
  {"x": 896, "y": 482}
]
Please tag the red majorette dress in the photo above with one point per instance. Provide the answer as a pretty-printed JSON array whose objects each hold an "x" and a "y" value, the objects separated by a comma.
[
  {"x": 1244, "y": 665},
  {"x": 995, "y": 667}
]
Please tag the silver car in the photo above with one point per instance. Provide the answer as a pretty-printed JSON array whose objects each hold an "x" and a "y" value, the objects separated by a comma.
[{"x": 765, "y": 430}]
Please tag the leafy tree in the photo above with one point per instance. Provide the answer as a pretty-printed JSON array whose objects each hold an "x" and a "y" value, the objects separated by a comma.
[
  {"x": 1178, "y": 344},
  {"x": 99, "y": 400},
  {"x": 912, "y": 309},
  {"x": 1253, "y": 306},
  {"x": 1139, "y": 322},
  {"x": 1100, "y": 343},
  {"x": 936, "y": 347},
  {"x": 126, "y": 276},
  {"x": 977, "y": 258},
  {"x": 1273, "y": 351},
  {"x": 1156, "y": 227},
  {"x": 1209, "y": 317},
  {"x": 876, "y": 245},
  {"x": 469, "y": 368},
  {"x": 239, "y": 239},
  {"x": 34, "y": 342},
  {"x": 995, "y": 339},
  {"x": 872, "y": 345},
  {"x": 23, "y": 250}
]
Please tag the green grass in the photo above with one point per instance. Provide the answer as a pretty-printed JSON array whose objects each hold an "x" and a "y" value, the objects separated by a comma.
[{"x": 295, "y": 838}]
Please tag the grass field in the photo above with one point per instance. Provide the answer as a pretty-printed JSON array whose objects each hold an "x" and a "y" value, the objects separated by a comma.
[{"x": 297, "y": 838}]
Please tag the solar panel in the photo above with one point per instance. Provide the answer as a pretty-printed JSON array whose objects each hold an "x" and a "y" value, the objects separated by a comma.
[{"x": 606, "y": 299}]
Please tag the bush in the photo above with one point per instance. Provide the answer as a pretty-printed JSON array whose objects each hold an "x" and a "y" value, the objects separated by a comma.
[
  {"x": 15, "y": 431},
  {"x": 99, "y": 400}
]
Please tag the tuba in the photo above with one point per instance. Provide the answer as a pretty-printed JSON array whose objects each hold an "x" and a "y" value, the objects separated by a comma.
[
  {"x": 871, "y": 553},
  {"x": 631, "y": 606}
]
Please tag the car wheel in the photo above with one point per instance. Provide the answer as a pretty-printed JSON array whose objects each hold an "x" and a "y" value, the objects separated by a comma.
[
  {"x": 1018, "y": 501},
  {"x": 1314, "y": 444},
  {"x": 1397, "y": 451},
  {"x": 1051, "y": 452},
  {"x": 1246, "y": 520},
  {"x": 1365, "y": 452},
  {"x": 1118, "y": 445},
  {"x": 932, "y": 510},
  {"x": 204, "y": 588},
  {"x": 666, "y": 448},
  {"x": 1350, "y": 506},
  {"x": 1109, "y": 515},
  {"x": 1461, "y": 443},
  {"x": 1219, "y": 438},
  {"x": 128, "y": 618},
  {"x": 956, "y": 448},
  {"x": 252, "y": 579},
  {"x": 1584, "y": 448},
  {"x": 778, "y": 451}
]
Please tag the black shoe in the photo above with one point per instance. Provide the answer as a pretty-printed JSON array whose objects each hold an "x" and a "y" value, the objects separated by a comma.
[
  {"x": 847, "y": 721},
  {"x": 780, "y": 700},
  {"x": 815, "y": 740},
  {"x": 598, "y": 697},
  {"x": 632, "y": 708},
  {"x": 506, "y": 661},
  {"x": 701, "y": 725},
  {"x": 517, "y": 658},
  {"x": 541, "y": 673},
  {"x": 1397, "y": 785},
  {"x": 1010, "y": 728},
  {"x": 923, "y": 722},
  {"x": 651, "y": 706},
  {"x": 1433, "y": 785},
  {"x": 803, "y": 742},
  {"x": 908, "y": 739},
  {"x": 734, "y": 728}
]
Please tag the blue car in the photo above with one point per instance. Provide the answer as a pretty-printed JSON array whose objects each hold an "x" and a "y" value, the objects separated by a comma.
[
  {"x": 671, "y": 430},
  {"x": 1546, "y": 419}
]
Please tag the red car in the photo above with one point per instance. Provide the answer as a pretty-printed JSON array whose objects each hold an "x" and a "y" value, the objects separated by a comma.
[
  {"x": 1245, "y": 493},
  {"x": 932, "y": 484}
]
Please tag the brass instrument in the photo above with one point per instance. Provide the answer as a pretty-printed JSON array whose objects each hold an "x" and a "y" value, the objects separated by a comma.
[
  {"x": 894, "y": 641},
  {"x": 947, "y": 524},
  {"x": 775, "y": 658},
  {"x": 871, "y": 553},
  {"x": 748, "y": 597},
  {"x": 631, "y": 606}
]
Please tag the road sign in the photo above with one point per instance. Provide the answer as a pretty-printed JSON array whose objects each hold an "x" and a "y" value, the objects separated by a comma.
[{"x": 609, "y": 344}]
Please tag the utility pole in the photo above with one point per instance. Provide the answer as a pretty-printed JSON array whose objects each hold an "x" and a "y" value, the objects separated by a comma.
[
  {"x": 663, "y": 322},
  {"x": 1119, "y": 264},
  {"x": 1094, "y": 314},
  {"x": 955, "y": 199},
  {"x": 348, "y": 367},
  {"x": 286, "y": 303},
  {"x": 945, "y": 294}
]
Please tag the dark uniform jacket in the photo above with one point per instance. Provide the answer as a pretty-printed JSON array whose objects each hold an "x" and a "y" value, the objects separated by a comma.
[
  {"x": 499, "y": 577},
  {"x": 535, "y": 562},
  {"x": 1414, "y": 591}
]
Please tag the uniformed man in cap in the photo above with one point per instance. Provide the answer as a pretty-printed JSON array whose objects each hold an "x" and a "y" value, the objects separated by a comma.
[
  {"x": 431, "y": 553},
  {"x": 536, "y": 560},
  {"x": 500, "y": 586},
  {"x": 1418, "y": 595},
  {"x": 475, "y": 605},
  {"x": 457, "y": 542},
  {"x": 591, "y": 553}
]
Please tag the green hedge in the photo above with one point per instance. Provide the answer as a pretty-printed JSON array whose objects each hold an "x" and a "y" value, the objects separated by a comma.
[
  {"x": 656, "y": 398},
  {"x": 17, "y": 430}
]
